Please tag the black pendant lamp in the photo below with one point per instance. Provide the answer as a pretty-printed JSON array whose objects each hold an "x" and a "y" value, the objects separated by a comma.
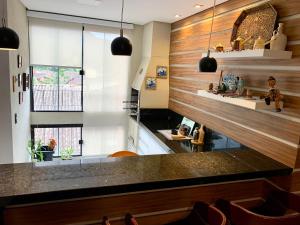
[
  {"x": 209, "y": 64},
  {"x": 9, "y": 39},
  {"x": 121, "y": 45}
]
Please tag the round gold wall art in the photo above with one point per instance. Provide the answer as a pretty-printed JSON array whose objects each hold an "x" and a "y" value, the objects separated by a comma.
[{"x": 255, "y": 22}]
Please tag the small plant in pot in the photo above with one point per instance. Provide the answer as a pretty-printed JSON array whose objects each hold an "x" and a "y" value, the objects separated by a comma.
[
  {"x": 48, "y": 150},
  {"x": 66, "y": 154}
]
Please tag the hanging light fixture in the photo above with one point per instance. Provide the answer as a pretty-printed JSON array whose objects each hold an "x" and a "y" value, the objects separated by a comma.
[
  {"x": 121, "y": 45},
  {"x": 209, "y": 64},
  {"x": 9, "y": 39}
]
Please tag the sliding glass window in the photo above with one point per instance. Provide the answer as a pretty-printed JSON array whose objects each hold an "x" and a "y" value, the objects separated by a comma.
[
  {"x": 56, "y": 88},
  {"x": 56, "y": 61}
]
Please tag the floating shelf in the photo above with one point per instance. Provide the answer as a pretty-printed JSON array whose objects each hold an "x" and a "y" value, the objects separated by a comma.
[
  {"x": 254, "y": 104},
  {"x": 252, "y": 54}
]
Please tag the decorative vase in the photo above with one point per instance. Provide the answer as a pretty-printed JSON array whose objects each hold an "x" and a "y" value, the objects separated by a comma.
[{"x": 279, "y": 39}]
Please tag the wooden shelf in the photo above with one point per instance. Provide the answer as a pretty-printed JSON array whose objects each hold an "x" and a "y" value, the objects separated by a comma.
[
  {"x": 252, "y": 54},
  {"x": 254, "y": 104}
]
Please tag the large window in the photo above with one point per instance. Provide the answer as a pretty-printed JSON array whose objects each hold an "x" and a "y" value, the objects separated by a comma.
[
  {"x": 56, "y": 88},
  {"x": 66, "y": 136}
]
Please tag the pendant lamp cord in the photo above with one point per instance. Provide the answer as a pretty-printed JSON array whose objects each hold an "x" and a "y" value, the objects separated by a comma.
[
  {"x": 212, "y": 24},
  {"x": 3, "y": 15},
  {"x": 122, "y": 12}
]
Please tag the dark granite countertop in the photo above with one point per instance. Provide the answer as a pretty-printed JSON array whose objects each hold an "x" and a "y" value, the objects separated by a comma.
[{"x": 37, "y": 182}]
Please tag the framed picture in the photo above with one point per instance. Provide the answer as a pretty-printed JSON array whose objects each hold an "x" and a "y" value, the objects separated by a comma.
[
  {"x": 20, "y": 98},
  {"x": 28, "y": 81},
  {"x": 20, "y": 61},
  {"x": 162, "y": 72},
  {"x": 19, "y": 80},
  {"x": 24, "y": 81},
  {"x": 14, "y": 80},
  {"x": 151, "y": 83}
]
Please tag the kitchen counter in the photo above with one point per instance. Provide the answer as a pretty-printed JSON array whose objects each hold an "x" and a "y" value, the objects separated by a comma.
[
  {"x": 95, "y": 176},
  {"x": 77, "y": 178}
]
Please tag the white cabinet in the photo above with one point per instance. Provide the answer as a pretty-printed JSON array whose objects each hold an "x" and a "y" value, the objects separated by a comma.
[
  {"x": 133, "y": 128},
  {"x": 149, "y": 144}
]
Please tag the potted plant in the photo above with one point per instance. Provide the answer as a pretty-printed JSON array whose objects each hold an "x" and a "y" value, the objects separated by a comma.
[
  {"x": 35, "y": 151},
  {"x": 48, "y": 150},
  {"x": 66, "y": 154}
]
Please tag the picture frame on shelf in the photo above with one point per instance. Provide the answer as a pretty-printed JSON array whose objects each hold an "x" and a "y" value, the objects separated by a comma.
[
  {"x": 162, "y": 72},
  {"x": 151, "y": 83},
  {"x": 20, "y": 61}
]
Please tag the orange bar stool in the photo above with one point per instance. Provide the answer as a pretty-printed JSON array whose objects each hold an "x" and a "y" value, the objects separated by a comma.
[{"x": 123, "y": 154}]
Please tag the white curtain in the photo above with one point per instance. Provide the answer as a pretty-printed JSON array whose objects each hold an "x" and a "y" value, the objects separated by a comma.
[
  {"x": 105, "y": 88},
  {"x": 55, "y": 43},
  {"x": 106, "y": 79}
]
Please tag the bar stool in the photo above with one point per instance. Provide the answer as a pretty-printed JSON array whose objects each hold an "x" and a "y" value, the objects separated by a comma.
[
  {"x": 203, "y": 214},
  {"x": 278, "y": 208},
  {"x": 124, "y": 153}
]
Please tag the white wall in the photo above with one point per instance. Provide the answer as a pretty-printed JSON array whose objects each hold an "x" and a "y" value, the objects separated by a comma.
[
  {"x": 6, "y": 154},
  {"x": 14, "y": 137}
]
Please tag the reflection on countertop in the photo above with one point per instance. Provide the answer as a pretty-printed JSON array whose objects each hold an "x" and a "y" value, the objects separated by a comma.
[{"x": 26, "y": 183}]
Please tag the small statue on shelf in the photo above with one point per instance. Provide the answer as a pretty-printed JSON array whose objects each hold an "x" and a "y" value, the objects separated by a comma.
[{"x": 273, "y": 94}]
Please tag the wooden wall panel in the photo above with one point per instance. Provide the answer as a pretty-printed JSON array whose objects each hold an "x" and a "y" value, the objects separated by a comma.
[
  {"x": 189, "y": 40},
  {"x": 289, "y": 130}
]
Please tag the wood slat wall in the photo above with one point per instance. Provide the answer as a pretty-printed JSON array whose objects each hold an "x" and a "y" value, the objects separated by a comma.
[{"x": 276, "y": 135}]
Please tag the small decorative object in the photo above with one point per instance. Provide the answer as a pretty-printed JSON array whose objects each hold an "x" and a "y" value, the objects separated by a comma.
[
  {"x": 66, "y": 154},
  {"x": 183, "y": 130},
  {"x": 241, "y": 86},
  {"x": 255, "y": 22},
  {"x": 199, "y": 140},
  {"x": 196, "y": 134},
  {"x": 19, "y": 80},
  {"x": 279, "y": 39},
  {"x": 209, "y": 64},
  {"x": 239, "y": 43},
  {"x": 20, "y": 61},
  {"x": 260, "y": 43},
  {"x": 249, "y": 94},
  {"x": 220, "y": 48},
  {"x": 230, "y": 81},
  {"x": 162, "y": 72},
  {"x": 274, "y": 94},
  {"x": 24, "y": 81},
  {"x": 211, "y": 87},
  {"x": 151, "y": 83}
]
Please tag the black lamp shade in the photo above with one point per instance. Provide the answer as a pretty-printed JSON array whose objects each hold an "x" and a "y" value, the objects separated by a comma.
[
  {"x": 208, "y": 64},
  {"x": 9, "y": 39},
  {"x": 121, "y": 46}
]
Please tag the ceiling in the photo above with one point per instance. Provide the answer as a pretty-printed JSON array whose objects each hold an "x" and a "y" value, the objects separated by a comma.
[{"x": 136, "y": 11}]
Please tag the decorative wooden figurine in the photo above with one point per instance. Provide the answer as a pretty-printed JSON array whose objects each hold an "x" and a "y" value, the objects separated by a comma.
[{"x": 274, "y": 94}]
